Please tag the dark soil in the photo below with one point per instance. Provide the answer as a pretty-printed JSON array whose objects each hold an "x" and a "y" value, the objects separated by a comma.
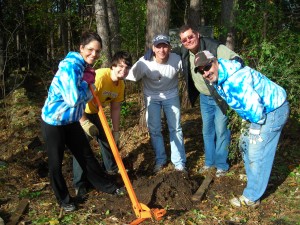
[{"x": 24, "y": 174}]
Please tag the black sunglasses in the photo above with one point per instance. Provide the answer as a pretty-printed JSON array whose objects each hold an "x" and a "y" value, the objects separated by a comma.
[{"x": 205, "y": 68}]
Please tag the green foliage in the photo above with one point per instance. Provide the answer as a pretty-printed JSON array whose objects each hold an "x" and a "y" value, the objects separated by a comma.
[
  {"x": 68, "y": 219},
  {"x": 212, "y": 12},
  {"x": 26, "y": 193},
  {"x": 132, "y": 25},
  {"x": 125, "y": 110},
  {"x": 234, "y": 126},
  {"x": 278, "y": 60},
  {"x": 274, "y": 53},
  {"x": 41, "y": 220},
  {"x": 253, "y": 16}
]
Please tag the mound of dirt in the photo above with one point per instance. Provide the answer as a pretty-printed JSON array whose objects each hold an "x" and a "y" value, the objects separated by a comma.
[{"x": 169, "y": 189}]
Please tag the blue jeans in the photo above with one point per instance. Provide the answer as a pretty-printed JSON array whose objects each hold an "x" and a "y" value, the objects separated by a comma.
[
  {"x": 171, "y": 109},
  {"x": 258, "y": 158},
  {"x": 216, "y": 135}
]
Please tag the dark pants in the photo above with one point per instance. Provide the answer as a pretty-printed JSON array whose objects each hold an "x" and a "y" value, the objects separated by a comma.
[
  {"x": 72, "y": 135},
  {"x": 106, "y": 153}
]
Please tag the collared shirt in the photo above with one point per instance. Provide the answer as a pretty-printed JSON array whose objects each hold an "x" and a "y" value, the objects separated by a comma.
[{"x": 197, "y": 78}]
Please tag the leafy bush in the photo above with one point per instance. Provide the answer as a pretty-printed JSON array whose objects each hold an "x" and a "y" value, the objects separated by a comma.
[{"x": 268, "y": 44}]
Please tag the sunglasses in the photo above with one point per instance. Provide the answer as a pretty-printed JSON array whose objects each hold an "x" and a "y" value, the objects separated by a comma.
[
  {"x": 205, "y": 68},
  {"x": 190, "y": 37}
]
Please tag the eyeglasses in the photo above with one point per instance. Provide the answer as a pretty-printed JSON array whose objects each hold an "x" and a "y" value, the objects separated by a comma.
[
  {"x": 190, "y": 37},
  {"x": 207, "y": 67}
]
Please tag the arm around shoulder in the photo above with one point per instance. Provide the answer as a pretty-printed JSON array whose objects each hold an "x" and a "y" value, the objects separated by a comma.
[{"x": 137, "y": 70}]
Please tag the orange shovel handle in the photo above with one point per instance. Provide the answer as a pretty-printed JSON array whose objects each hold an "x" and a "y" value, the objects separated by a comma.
[
  {"x": 136, "y": 205},
  {"x": 142, "y": 211}
]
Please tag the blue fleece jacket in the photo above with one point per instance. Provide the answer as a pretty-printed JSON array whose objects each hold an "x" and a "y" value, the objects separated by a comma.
[
  {"x": 68, "y": 93},
  {"x": 251, "y": 94}
]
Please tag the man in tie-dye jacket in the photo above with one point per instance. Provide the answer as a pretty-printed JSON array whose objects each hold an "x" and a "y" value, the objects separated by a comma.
[{"x": 260, "y": 102}]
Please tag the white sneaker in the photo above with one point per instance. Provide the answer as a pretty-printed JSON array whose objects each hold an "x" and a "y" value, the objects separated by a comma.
[
  {"x": 221, "y": 173},
  {"x": 181, "y": 169},
  {"x": 242, "y": 200}
]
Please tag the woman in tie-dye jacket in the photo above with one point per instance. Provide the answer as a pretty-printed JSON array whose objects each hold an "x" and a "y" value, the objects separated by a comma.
[
  {"x": 62, "y": 111},
  {"x": 260, "y": 102}
]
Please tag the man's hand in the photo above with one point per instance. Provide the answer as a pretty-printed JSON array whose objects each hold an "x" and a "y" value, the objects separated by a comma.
[
  {"x": 148, "y": 54},
  {"x": 90, "y": 129},
  {"x": 116, "y": 135}
]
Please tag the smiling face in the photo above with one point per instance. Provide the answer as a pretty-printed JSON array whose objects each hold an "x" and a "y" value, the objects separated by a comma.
[
  {"x": 161, "y": 52},
  {"x": 211, "y": 74},
  {"x": 90, "y": 52},
  {"x": 190, "y": 40},
  {"x": 120, "y": 71}
]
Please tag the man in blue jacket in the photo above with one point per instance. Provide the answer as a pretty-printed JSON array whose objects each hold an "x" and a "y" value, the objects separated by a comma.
[{"x": 260, "y": 102}]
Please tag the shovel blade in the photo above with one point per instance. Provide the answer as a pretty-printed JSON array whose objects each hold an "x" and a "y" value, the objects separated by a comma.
[{"x": 158, "y": 213}]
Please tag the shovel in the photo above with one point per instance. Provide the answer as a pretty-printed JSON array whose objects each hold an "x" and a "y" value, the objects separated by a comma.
[{"x": 141, "y": 211}]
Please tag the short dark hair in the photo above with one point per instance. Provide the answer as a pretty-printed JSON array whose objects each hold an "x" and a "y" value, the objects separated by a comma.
[
  {"x": 121, "y": 55},
  {"x": 88, "y": 36},
  {"x": 186, "y": 27}
]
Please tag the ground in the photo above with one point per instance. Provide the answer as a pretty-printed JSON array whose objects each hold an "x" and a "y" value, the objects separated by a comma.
[{"x": 24, "y": 175}]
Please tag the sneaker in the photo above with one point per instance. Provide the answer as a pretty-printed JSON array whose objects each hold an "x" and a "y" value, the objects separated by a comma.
[
  {"x": 242, "y": 200},
  {"x": 68, "y": 207},
  {"x": 204, "y": 169},
  {"x": 120, "y": 191},
  {"x": 221, "y": 173},
  {"x": 158, "y": 168},
  {"x": 181, "y": 169}
]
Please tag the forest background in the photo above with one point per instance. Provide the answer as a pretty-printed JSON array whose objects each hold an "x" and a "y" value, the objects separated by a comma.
[{"x": 35, "y": 35}]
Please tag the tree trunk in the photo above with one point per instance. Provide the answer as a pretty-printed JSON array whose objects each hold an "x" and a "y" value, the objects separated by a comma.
[
  {"x": 2, "y": 86},
  {"x": 194, "y": 13},
  {"x": 113, "y": 21},
  {"x": 158, "y": 15},
  {"x": 186, "y": 11},
  {"x": 64, "y": 27},
  {"x": 103, "y": 30},
  {"x": 265, "y": 19},
  {"x": 227, "y": 20}
]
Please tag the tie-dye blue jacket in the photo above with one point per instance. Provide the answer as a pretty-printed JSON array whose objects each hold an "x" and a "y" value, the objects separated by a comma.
[
  {"x": 251, "y": 94},
  {"x": 68, "y": 93}
]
